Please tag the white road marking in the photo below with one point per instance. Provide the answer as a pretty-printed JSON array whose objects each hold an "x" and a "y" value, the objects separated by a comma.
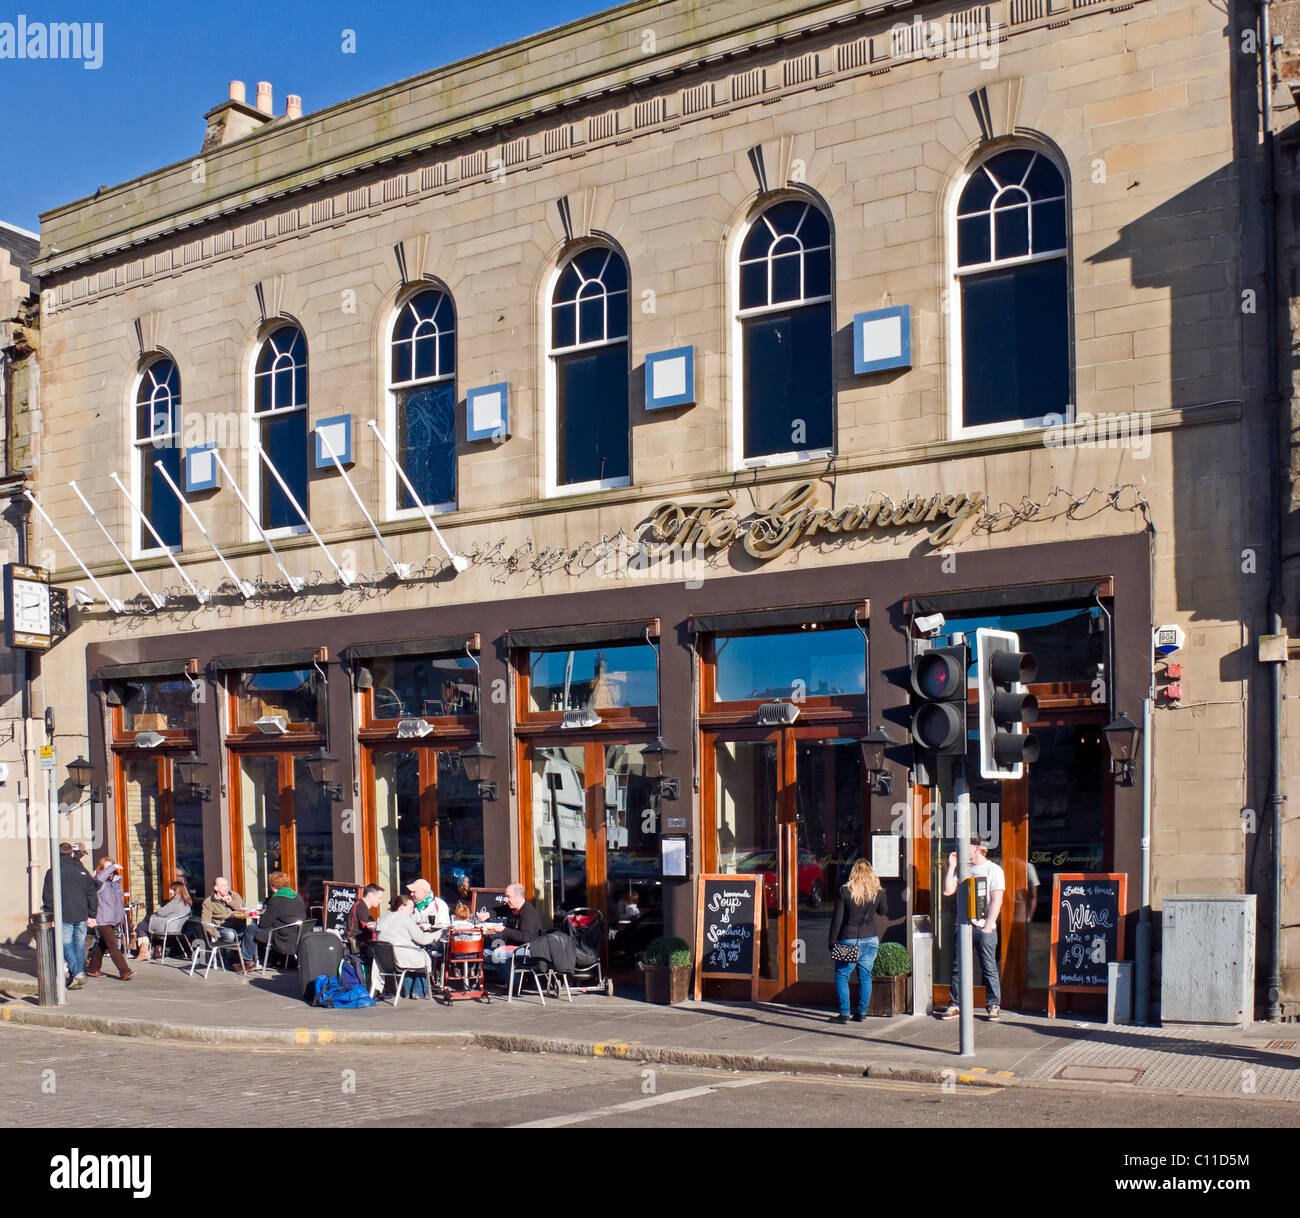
[{"x": 668, "y": 1097}]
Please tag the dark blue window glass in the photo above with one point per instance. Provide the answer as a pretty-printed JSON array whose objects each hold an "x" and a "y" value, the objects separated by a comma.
[
  {"x": 284, "y": 437},
  {"x": 788, "y": 381},
  {"x": 426, "y": 443},
  {"x": 591, "y": 415}
]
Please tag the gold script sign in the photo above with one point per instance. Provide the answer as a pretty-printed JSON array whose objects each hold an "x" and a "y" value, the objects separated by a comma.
[{"x": 712, "y": 523}]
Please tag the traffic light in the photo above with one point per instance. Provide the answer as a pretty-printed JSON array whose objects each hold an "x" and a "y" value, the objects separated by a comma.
[
  {"x": 939, "y": 701},
  {"x": 1004, "y": 671}
]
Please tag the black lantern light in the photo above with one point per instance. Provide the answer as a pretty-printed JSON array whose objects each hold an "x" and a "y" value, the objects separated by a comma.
[
  {"x": 873, "y": 746},
  {"x": 80, "y": 772},
  {"x": 186, "y": 769},
  {"x": 478, "y": 764},
  {"x": 654, "y": 756},
  {"x": 1121, "y": 740},
  {"x": 317, "y": 765}
]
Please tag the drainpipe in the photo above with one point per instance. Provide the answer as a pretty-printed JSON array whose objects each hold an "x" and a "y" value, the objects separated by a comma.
[
  {"x": 1280, "y": 443},
  {"x": 1142, "y": 982}
]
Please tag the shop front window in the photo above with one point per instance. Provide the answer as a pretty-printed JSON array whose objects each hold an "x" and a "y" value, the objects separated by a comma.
[
  {"x": 399, "y": 857},
  {"x": 159, "y": 705},
  {"x": 596, "y": 678},
  {"x": 145, "y": 880},
  {"x": 293, "y": 694},
  {"x": 286, "y": 824},
  {"x": 259, "y": 800},
  {"x": 798, "y": 664},
  {"x": 559, "y": 830},
  {"x": 424, "y": 687}
]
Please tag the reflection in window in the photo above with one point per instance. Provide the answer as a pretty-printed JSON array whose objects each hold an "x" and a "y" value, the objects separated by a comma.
[
  {"x": 598, "y": 678},
  {"x": 187, "y": 826},
  {"x": 158, "y": 439},
  {"x": 397, "y": 819},
  {"x": 423, "y": 372},
  {"x": 280, "y": 420},
  {"x": 313, "y": 831},
  {"x": 1012, "y": 263},
  {"x": 1069, "y": 643},
  {"x": 143, "y": 862},
  {"x": 259, "y": 811},
  {"x": 785, "y": 320},
  {"x": 294, "y": 693},
  {"x": 159, "y": 705},
  {"x": 802, "y": 663},
  {"x": 589, "y": 327},
  {"x": 559, "y": 831},
  {"x": 416, "y": 687},
  {"x": 460, "y": 825}
]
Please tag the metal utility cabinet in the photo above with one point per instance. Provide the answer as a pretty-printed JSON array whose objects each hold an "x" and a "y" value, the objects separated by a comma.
[{"x": 1208, "y": 966}]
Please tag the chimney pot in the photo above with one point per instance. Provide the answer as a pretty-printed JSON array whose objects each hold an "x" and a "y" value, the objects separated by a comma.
[
  {"x": 237, "y": 92},
  {"x": 264, "y": 102},
  {"x": 293, "y": 106}
]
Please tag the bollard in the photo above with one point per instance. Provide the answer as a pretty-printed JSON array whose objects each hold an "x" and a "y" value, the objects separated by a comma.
[
  {"x": 49, "y": 959},
  {"x": 1119, "y": 992}
]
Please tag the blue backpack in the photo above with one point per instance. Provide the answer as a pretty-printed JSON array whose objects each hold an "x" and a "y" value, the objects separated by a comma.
[{"x": 330, "y": 993}]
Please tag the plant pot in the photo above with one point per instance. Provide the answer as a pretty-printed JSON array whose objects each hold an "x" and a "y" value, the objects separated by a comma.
[
  {"x": 888, "y": 996},
  {"x": 666, "y": 985}
]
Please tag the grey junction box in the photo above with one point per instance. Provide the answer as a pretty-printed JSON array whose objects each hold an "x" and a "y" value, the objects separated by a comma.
[{"x": 1208, "y": 965}]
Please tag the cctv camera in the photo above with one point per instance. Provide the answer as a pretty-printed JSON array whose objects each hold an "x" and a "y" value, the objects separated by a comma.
[
  {"x": 82, "y": 597},
  {"x": 931, "y": 623}
]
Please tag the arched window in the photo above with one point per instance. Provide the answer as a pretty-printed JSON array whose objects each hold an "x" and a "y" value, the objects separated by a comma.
[
  {"x": 785, "y": 323},
  {"x": 157, "y": 441},
  {"x": 1012, "y": 366},
  {"x": 589, "y": 349},
  {"x": 280, "y": 420},
  {"x": 423, "y": 382}
]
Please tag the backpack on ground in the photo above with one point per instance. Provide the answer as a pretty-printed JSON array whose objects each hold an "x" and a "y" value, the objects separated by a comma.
[{"x": 327, "y": 992}]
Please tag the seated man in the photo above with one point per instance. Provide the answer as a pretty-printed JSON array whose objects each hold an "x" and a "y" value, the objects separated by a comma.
[
  {"x": 522, "y": 926},
  {"x": 430, "y": 910},
  {"x": 409, "y": 941},
  {"x": 282, "y": 908},
  {"x": 224, "y": 910},
  {"x": 360, "y": 929}
]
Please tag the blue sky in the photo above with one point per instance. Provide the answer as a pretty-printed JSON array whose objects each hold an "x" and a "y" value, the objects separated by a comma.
[{"x": 69, "y": 128}]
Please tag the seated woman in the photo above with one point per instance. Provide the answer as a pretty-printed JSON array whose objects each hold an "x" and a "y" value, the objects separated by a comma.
[
  {"x": 282, "y": 908},
  {"x": 170, "y": 917},
  {"x": 399, "y": 928}
]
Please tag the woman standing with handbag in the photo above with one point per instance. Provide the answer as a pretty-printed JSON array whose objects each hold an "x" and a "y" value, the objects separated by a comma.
[{"x": 857, "y": 924}]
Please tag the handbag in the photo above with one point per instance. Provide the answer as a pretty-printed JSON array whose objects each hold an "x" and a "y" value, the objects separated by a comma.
[{"x": 844, "y": 953}]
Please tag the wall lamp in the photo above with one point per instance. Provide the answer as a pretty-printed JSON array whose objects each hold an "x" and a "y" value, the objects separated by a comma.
[
  {"x": 80, "y": 772},
  {"x": 478, "y": 764},
  {"x": 316, "y": 763},
  {"x": 1121, "y": 740},
  {"x": 874, "y": 745},
  {"x": 654, "y": 756},
  {"x": 186, "y": 770}
]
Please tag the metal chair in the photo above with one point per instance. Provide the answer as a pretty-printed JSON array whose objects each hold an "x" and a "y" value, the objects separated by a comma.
[
  {"x": 174, "y": 930},
  {"x": 529, "y": 966},
  {"x": 385, "y": 965},
  {"x": 206, "y": 948},
  {"x": 304, "y": 926}
]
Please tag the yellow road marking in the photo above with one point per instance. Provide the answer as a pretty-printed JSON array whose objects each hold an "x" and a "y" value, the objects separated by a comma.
[{"x": 302, "y": 1036}]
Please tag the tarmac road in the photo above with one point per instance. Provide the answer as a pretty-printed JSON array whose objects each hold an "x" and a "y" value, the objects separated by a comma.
[{"x": 53, "y": 1078}]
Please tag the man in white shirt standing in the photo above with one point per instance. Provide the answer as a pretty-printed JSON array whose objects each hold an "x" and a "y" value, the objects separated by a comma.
[{"x": 984, "y": 935}]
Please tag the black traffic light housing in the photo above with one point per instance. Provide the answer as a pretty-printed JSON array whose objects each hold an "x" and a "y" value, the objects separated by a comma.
[
  {"x": 1005, "y": 705},
  {"x": 938, "y": 683}
]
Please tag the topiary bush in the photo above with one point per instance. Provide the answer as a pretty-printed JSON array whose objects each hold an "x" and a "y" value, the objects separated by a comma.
[
  {"x": 668, "y": 952},
  {"x": 892, "y": 960}
]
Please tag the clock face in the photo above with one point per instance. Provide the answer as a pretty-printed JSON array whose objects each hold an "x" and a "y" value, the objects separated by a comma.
[{"x": 31, "y": 607}]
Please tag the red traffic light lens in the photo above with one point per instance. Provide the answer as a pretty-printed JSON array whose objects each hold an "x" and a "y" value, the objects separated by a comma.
[{"x": 936, "y": 675}]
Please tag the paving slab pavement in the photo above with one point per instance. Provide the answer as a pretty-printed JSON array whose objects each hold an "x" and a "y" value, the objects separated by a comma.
[{"x": 162, "y": 1001}]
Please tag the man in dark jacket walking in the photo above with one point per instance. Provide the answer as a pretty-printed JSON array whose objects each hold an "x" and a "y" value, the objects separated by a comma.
[{"x": 78, "y": 900}]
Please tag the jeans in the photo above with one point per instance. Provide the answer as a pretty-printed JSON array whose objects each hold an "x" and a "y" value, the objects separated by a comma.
[
  {"x": 74, "y": 948},
  {"x": 415, "y": 985},
  {"x": 867, "y": 949},
  {"x": 986, "y": 949},
  {"x": 249, "y": 944}
]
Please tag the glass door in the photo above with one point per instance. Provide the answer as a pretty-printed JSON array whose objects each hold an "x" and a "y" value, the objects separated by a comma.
[{"x": 140, "y": 830}]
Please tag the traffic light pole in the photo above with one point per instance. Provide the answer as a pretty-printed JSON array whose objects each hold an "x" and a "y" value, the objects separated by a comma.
[{"x": 965, "y": 944}]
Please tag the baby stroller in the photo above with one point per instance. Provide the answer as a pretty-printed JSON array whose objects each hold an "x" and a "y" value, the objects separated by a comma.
[
  {"x": 462, "y": 967},
  {"x": 587, "y": 928}
]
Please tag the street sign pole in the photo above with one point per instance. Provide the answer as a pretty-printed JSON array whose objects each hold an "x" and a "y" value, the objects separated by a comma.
[
  {"x": 961, "y": 796},
  {"x": 48, "y": 762}
]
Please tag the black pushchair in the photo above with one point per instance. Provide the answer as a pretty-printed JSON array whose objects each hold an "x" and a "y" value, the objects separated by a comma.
[{"x": 587, "y": 929}]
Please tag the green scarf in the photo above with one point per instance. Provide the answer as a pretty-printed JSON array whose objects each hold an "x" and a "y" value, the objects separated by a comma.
[
  {"x": 426, "y": 902},
  {"x": 284, "y": 892}
]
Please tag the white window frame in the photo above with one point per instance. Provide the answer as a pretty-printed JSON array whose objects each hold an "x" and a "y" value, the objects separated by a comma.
[
  {"x": 792, "y": 456},
  {"x": 253, "y": 437},
  {"x": 138, "y": 457},
  {"x": 551, "y": 455},
  {"x": 956, "y": 403},
  {"x": 391, "y": 496}
]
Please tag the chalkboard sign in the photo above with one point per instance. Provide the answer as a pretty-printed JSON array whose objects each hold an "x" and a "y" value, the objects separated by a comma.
[
  {"x": 726, "y": 937},
  {"x": 339, "y": 899},
  {"x": 490, "y": 899},
  {"x": 1087, "y": 932}
]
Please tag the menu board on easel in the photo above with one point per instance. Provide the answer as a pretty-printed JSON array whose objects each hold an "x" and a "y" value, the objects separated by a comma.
[
  {"x": 1087, "y": 933},
  {"x": 727, "y": 930},
  {"x": 339, "y": 899}
]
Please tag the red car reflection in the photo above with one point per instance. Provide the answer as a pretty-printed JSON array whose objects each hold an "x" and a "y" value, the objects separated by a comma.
[{"x": 763, "y": 862}]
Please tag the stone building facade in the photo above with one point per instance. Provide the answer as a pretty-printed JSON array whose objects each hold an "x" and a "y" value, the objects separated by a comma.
[{"x": 810, "y": 243}]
